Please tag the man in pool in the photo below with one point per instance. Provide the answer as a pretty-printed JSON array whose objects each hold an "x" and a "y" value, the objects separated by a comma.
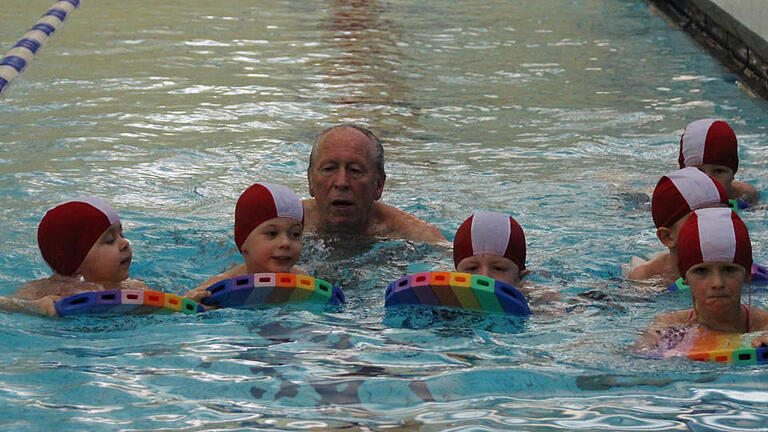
[{"x": 346, "y": 178}]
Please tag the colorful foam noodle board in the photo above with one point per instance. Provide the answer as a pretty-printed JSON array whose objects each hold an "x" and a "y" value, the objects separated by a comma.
[
  {"x": 726, "y": 348},
  {"x": 458, "y": 290},
  {"x": 115, "y": 302},
  {"x": 272, "y": 288}
]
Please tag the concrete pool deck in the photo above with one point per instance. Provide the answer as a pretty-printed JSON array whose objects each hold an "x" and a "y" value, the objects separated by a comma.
[{"x": 734, "y": 31}]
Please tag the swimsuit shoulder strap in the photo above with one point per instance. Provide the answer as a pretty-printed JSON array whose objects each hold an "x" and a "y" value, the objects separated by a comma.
[
  {"x": 746, "y": 318},
  {"x": 690, "y": 317}
]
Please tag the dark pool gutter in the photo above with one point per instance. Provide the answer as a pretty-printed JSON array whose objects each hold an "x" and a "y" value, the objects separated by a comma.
[{"x": 728, "y": 39}]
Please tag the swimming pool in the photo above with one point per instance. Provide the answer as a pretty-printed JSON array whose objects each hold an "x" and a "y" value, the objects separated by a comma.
[{"x": 558, "y": 112}]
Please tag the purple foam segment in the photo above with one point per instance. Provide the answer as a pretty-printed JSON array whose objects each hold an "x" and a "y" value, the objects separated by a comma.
[
  {"x": 241, "y": 290},
  {"x": 29, "y": 44},
  {"x": 75, "y": 304},
  {"x": 109, "y": 298},
  {"x": 74, "y": 3},
  {"x": 3, "y": 83},
  {"x": 337, "y": 296},
  {"x": 511, "y": 300},
  {"x": 219, "y": 293},
  {"x": 400, "y": 292},
  {"x": 761, "y": 354},
  {"x": 58, "y": 13},
  {"x": 15, "y": 62},
  {"x": 759, "y": 274}
]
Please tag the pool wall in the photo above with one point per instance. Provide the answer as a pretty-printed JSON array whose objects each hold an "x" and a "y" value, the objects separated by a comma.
[{"x": 721, "y": 26}]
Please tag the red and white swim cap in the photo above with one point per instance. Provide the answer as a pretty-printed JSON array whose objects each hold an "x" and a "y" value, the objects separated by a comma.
[
  {"x": 713, "y": 234},
  {"x": 708, "y": 141},
  {"x": 683, "y": 191},
  {"x": 262, "y": 202},
  {"x": 490, "y": 233},
  {"x": 68, "y": 231}
]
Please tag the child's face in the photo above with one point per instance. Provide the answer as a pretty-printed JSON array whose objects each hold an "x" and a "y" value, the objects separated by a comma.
[
  {"x": 721, "y": 173},
  {"x": 716, "y": 286},
  {"x": 493, "y": 266},
  {"x": 109, "y": 259},
  {"x": 273, "y": 247}
]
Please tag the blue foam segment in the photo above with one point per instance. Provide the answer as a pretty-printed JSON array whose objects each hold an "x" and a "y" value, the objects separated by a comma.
[
  {"x": 29, "y": 44},
  {"x": 761, "y": 354},
  {"x": 3, "y": 83},
  {"x": 43, "y": 27},
  {"x": 58, "y": 13},
  {"x": 219, "y": 293},
  {"x": 75, "y": 304},
  {"x": 511, "y": 300},
  {"x": 337, "y": 296},
  {"x": 15, "y": 62},
  {"x": 74, "y": 3}
]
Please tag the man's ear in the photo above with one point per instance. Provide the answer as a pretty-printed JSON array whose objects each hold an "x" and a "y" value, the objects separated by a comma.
[
  {"x": 309, "y": 182},
  {"x": 380, "y": 179},
  {"x": 665, "y": 236}
]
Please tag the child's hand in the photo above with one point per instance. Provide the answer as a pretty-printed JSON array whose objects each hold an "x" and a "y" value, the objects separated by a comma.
[
  {"x": 197, "y": 294},
  {"x": 45, "y": 305},
  {"x": 760, "y": 341}
]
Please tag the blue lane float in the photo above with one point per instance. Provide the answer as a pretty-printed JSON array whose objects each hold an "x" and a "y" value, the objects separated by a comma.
[
  {"x": 25, "y": 49},
  {"x": 457, "y": 290},
  {"x": 114, "y": 302},
  {"x": 272, "y": 288}
]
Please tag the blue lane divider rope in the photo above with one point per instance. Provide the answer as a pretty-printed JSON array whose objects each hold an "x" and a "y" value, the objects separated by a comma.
[{"x": 24, "y": 50}]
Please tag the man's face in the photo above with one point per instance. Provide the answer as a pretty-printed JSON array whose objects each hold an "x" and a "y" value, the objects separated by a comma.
[{"x": 344, "y": 179}]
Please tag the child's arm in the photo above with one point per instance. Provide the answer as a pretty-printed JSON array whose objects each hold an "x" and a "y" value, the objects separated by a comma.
[
  {"x": 745, "y": 192},
  {"x": 41, "y": 306}
]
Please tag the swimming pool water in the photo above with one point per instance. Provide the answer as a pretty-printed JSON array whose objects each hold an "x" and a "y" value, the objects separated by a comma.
[{"x": 562, "y": 113}]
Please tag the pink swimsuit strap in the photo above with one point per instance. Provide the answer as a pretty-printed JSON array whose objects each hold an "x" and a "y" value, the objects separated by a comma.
[{"x": 746, "y": 318}]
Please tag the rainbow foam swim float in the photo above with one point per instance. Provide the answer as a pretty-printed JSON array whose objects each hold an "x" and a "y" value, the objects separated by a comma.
[
  {"x": 458, "y": 290},
  {"x": 272, "y": 288},
  {"x": 124, "y": 302},
  {"x": 726, "y": 348}
]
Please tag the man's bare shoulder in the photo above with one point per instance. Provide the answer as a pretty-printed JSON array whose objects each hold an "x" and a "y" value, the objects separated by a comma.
[{"x": 393, "y": 222}]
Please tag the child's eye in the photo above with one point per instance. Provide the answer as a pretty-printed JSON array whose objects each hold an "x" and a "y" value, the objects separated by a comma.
[
  {"x": 500, "y": 269},
  {"x": 296, "y": 234},
  {"x": 271, "y": 233},
  {"x": 700, "y": 271},
  {"x": 730, "y": 269}
]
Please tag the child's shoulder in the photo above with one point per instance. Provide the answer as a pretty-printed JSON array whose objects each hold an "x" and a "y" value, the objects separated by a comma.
[
  {"x": 656, "y": 267},
  {"x": 61, "y": 286}
]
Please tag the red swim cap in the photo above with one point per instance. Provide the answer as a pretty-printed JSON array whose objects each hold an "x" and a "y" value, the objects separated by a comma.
[
  {"x": 708, "y": 141},
  {"x": 713, "y": 234},
  {"x": 490, "y": 233},
  {"x": 68, "y": 231},
  {"x": 683, "y": 191},
  {"x": 262, "y": 202}
]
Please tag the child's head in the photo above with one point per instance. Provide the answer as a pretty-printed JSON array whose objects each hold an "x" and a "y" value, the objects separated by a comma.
[
  {"x": 491, "y": 244},
  {"x": 710, "y": 145},
  {"x": 715, "y": 257},
  {"x": 269, "y": 221},
  {"x": 84, "y": 237},
  {"x": 679, "y": 193}
]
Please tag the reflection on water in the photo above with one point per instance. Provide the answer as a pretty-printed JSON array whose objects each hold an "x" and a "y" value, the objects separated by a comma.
[{"x": 562, "y": 113}]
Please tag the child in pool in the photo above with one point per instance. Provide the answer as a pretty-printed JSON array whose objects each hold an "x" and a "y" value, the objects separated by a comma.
[
  {"x": 714, "y": 255},
  {"x": 710, "y": 145},
  {"x": 676, "y": 195},
  {"x": 82, "y": 242},
  {"x": 269, "y": 222},
  {"x": 493, "y": 244}
]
